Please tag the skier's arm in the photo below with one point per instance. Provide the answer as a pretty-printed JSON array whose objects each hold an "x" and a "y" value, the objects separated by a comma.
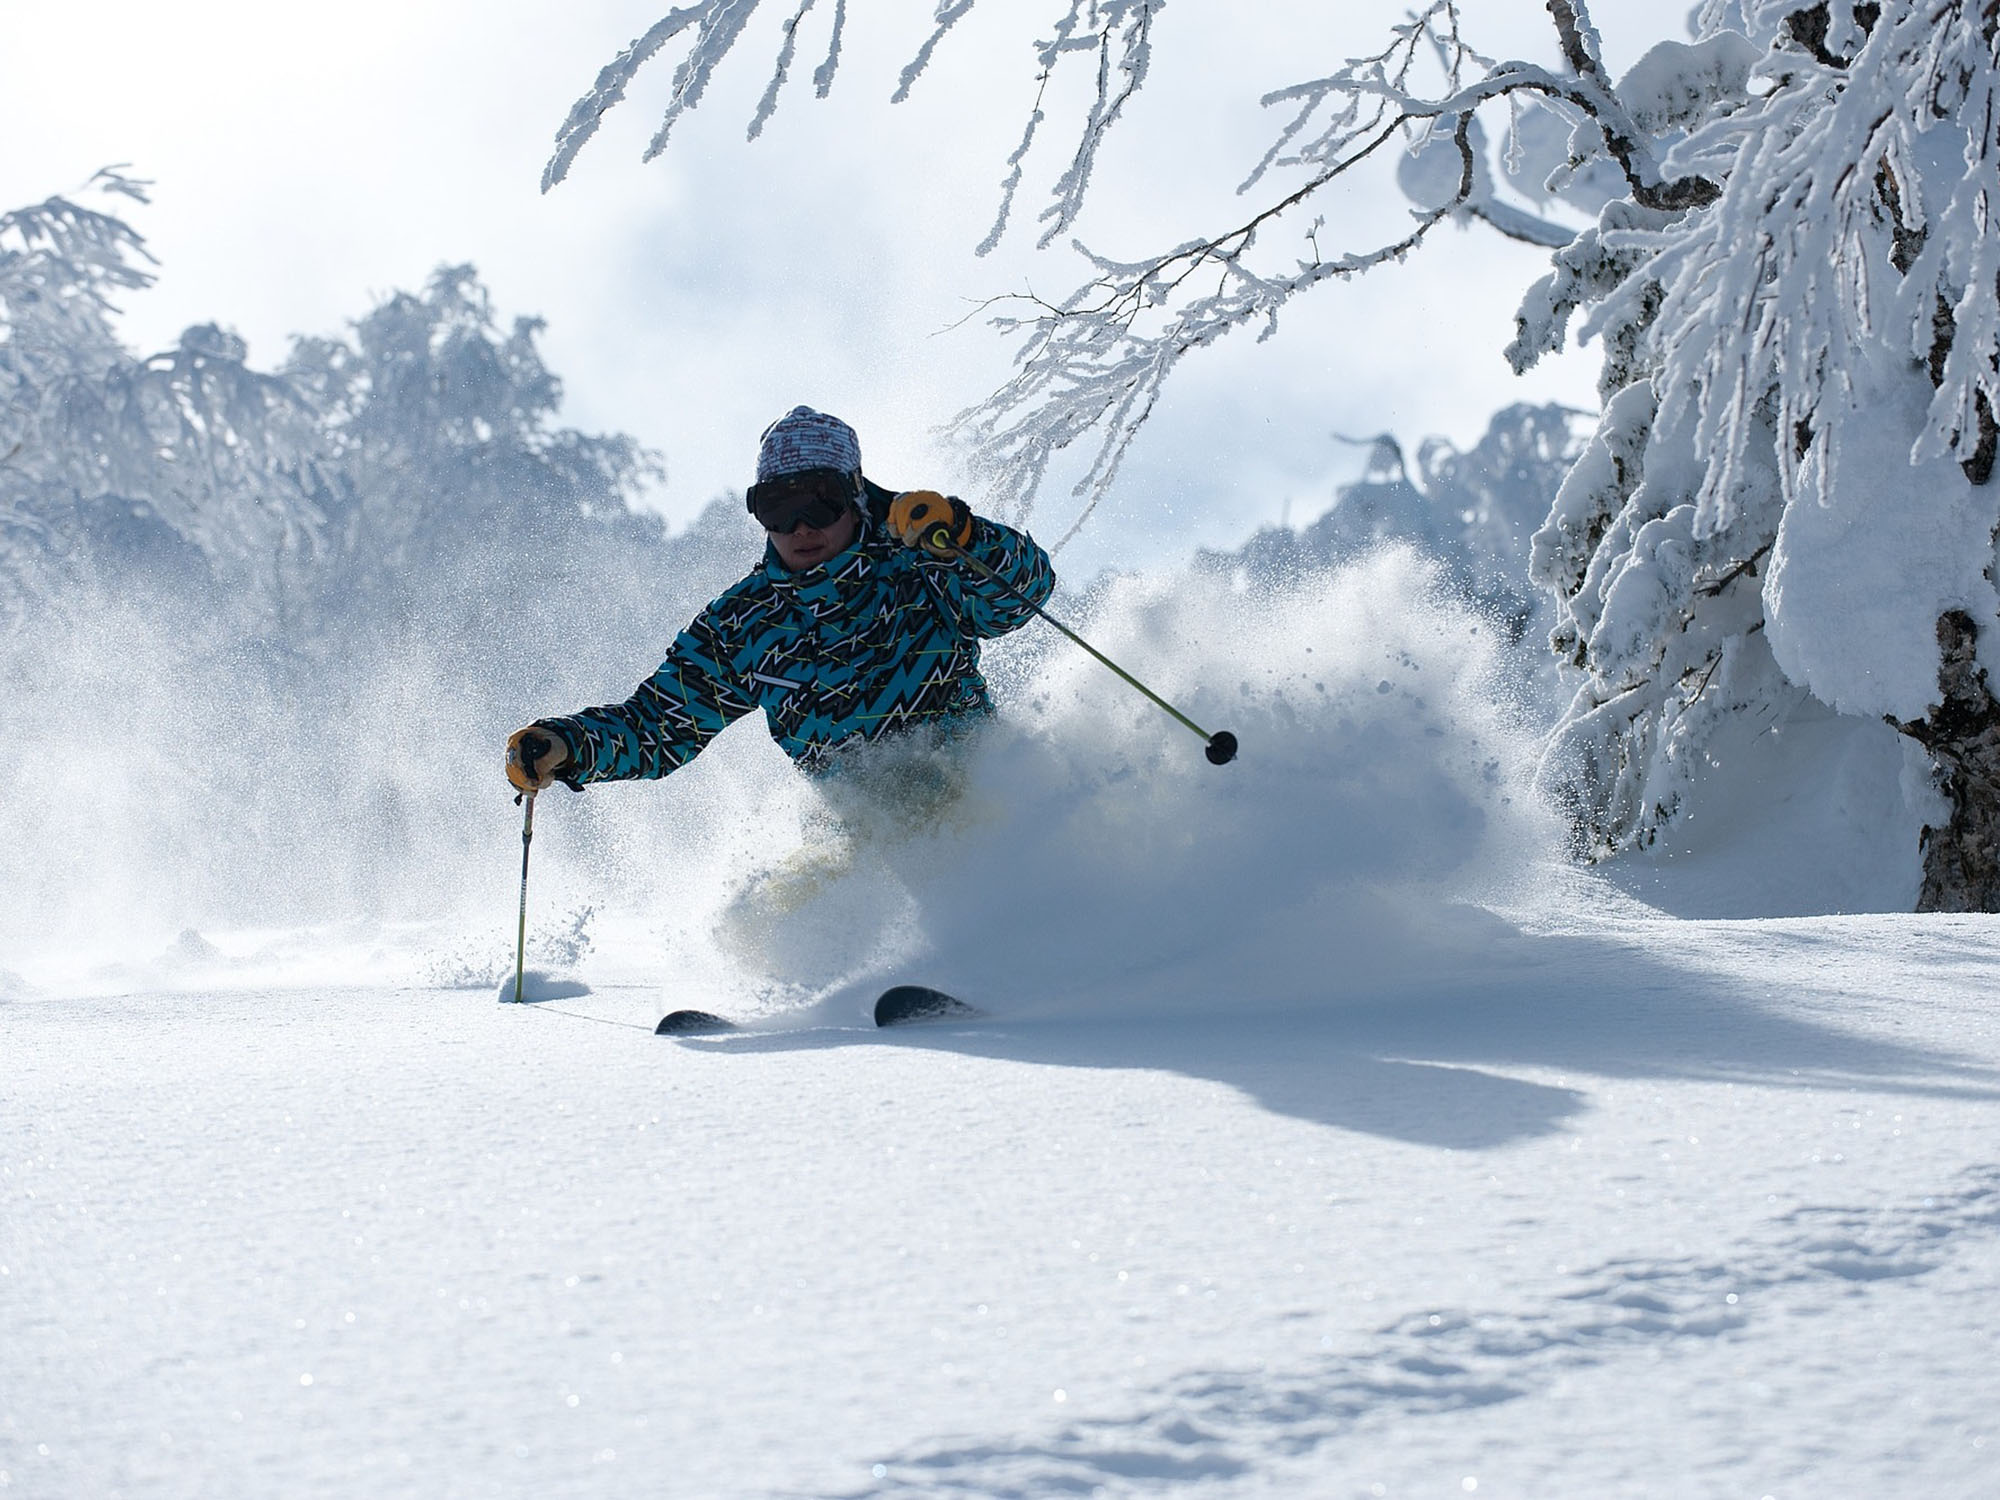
[
  {"x": 985, "y": 598},
  {"x": 686, "y": 703},
  {"x": 986, "y": 605}
]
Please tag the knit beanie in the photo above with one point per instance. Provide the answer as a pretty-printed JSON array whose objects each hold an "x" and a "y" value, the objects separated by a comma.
[{"x": 806, "y": 439}]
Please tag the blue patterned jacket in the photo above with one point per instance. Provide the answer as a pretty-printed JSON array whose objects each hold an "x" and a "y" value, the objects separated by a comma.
[{"x": 879, "y": 639}]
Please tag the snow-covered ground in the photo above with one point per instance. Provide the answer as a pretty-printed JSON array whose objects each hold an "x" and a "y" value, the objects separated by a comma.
[
  {"x": 1669, "y": 1208},
  {"x": 1329, "y": 1135}
]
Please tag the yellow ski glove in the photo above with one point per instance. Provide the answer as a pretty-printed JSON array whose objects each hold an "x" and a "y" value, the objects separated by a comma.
[
  {"x": 916, "y": 515},
  {"x": 534, "y": 755}
]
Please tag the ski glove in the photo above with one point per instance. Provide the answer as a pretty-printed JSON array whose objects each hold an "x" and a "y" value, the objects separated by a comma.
[
  {"x": 916, "y": 515},
  {"x": 534, "y": 755}
]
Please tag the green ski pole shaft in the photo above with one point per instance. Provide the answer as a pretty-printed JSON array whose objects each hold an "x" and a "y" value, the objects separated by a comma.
[
  {"x": 521, "y": 934},
  {"x": 1221, "y": 745}
]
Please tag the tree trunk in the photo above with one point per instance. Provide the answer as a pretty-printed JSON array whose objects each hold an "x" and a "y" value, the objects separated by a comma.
[{"x": 1962, "y": 734}]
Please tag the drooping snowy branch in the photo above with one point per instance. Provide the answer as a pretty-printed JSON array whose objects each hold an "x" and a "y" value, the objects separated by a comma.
[
  {"x": 1094, "y": 361},
  {"x": 587, "y": 114},
  {"x": 1099, "y": 360},
  {"x": 1117, "y": 35},
  {"x": 717, "y": 25},
  {"x": 1119, "y": 77}
]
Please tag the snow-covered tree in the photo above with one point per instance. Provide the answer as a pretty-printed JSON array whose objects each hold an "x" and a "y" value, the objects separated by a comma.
[
  {"x": 114, "y": 467},
  {"x": 1789, "y": 492},
  {"x": 408, "y": 480},
  {"x": 1472, "y": 510},
  {"x": 449, "y": 486},
  {"x": 1797, "y": 288}
]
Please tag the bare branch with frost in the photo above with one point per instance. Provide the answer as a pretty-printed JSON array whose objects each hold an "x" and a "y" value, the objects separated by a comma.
[
  {"x": 1090, "y": 362},
  {"x": 609, "y": 89}
]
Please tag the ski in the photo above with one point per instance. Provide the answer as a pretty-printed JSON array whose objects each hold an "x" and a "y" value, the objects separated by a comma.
[
  {"x": 904, "y": 1005},
  {"x": 910, "y": 1003},
  {"x": 692, "y": 1023}
]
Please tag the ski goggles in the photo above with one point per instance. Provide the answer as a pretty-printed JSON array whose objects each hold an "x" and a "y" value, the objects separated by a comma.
[{"x": 813, "y": 497}]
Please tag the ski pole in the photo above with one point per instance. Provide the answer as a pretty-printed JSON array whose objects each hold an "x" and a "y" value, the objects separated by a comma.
[
  {"x": 521, "y": 935},
  {"x": 1221, "y": 745}
]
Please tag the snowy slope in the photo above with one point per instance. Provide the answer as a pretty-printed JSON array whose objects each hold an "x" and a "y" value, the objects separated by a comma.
[
  {"x": 1330, "y": 1136},
  {"x": 1666, "y": 1209}
]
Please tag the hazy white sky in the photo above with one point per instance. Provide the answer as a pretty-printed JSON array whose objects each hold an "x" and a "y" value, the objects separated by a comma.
[{"x": 309, "y": 158}]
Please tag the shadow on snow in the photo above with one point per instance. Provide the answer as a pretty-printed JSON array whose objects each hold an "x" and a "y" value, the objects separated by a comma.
[{"x": 1430, "y": 1065}]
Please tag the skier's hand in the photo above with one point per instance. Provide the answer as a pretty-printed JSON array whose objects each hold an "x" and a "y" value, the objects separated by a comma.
[
  {"x": 916, "y": 515},
  {"x": 534, "y": 755}
]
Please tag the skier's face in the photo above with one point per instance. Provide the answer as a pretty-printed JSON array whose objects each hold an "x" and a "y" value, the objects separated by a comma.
[{"x": 808, "y": 546}]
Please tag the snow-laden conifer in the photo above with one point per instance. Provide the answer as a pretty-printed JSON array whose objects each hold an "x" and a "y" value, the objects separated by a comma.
[
  {"x": 1788, "y": 492},
  {"x": 108, "y": 460},
  {"x": 403, "y": 484}
]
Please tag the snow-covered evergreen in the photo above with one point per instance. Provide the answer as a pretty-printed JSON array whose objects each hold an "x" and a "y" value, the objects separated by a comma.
[
  {"x": 1472, "y": 511},
  {"x": 117, "y": 470},
  {"x": 1788, "y": 491}
]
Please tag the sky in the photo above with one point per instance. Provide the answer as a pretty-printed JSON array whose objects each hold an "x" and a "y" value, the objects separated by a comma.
[{"x": 307, "y": 162}]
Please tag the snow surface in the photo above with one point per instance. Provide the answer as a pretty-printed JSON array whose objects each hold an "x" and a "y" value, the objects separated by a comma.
[{"x": 1330, "y": 1135}]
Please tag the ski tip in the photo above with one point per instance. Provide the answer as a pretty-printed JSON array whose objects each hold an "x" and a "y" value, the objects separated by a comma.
[
  {"x": 908, "y": 1003},
  {"x": 692, "y": 1023}
]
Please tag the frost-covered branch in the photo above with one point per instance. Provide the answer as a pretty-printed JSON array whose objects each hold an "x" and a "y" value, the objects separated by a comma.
[
  {"x": 1093, "y": 363},
  {"x": 1121, "y": 73},
  {"x": 1114, "y": 34}
]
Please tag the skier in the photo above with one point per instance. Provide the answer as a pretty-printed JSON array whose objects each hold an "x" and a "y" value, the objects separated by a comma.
[{"x": 860, "y": 625}]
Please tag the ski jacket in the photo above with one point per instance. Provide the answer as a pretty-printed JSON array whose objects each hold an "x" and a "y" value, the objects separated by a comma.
[{"x": 877, "y": 640}]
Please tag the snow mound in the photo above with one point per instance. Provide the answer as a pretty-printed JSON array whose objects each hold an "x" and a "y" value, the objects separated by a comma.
[
  {"x": 1804, "y": 814},
  {"x": 537, "y": 986}
]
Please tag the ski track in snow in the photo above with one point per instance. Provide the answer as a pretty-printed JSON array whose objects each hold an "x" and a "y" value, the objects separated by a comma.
[{"x": 1226, "y": 1425}]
